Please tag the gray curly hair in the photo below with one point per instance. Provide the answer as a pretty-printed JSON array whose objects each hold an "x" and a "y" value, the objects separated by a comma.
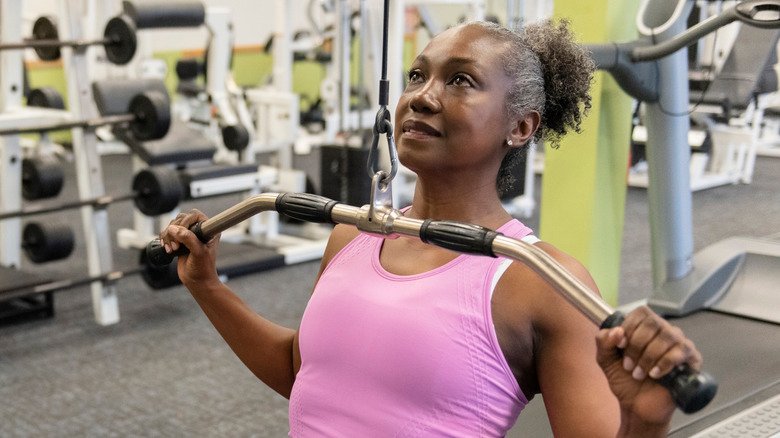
[{"x": 552, "y": 76}]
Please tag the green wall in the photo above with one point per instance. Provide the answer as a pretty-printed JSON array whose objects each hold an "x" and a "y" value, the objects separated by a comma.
[{"x": 584, "y": 181}]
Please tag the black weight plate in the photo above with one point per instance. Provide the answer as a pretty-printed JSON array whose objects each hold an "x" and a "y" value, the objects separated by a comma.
[
  {"x": 120, "y": 32},
  {"x": 45, "y": 97},
  {"x": 188, "y": 69},
  {"x": 42, "y": 177},
  {"x": 152, "y": 115},
  {"x": 158, "y": 277},
  {"x": 235, "y": 137},
  {"x": 45, "y": 28},
  {"x": 157, "y": 190},
  {"x": 46, "y": 242}
]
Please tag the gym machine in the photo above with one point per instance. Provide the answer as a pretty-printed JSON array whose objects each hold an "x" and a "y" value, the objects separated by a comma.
[
  {"x": 691, "y": 390},
  {"x": 731, "y": 74},
  {"x": 726, "y": 293},
  {"x": 150, "y": 121},
  {"x": 268, "y": 119}
]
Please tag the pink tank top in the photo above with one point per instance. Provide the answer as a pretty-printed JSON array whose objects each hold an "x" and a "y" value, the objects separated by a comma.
[{"x": 390, "y": 355}]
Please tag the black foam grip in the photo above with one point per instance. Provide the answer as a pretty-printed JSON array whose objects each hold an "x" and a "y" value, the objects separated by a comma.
[
  {"x": 457, "y": 236},
  {"x": 306, "y": 207},
  {"x": 162, "y": 14},
  {"x": 156, "y": 255},
  {"x": 691, "y": 390}
]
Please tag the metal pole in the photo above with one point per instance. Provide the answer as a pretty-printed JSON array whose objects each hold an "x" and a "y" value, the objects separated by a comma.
[{"x": 668, "y": 154}]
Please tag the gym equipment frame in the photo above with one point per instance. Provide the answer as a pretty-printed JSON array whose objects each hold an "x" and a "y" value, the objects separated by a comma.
[{"x": 736, "y": 279}]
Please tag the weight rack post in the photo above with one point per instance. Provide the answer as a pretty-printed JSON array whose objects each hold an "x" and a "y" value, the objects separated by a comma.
[
  {"x": 11, "y": 90},
  {"x": 89, "y": 169}
]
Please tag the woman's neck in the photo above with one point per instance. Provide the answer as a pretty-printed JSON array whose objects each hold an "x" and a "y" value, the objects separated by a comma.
[{"x": 471, "y": 203}]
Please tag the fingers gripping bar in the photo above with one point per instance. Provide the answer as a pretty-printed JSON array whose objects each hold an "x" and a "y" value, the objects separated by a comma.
[{"x": 690, "y": 389}]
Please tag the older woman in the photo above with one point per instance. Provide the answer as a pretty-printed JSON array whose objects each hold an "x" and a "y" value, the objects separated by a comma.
[{"x": 401, "y": 338}]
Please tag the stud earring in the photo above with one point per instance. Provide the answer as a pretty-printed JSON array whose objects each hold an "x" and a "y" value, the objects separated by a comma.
[{"x": 509, "y": 142}]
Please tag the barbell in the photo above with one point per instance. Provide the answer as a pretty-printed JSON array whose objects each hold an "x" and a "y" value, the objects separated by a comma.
[
  {"x": 148, "y": 117},
  {"x": 119, "y": 40},
  {"x": 155, "y": 278},
  {"x": 155, "y": 190}
]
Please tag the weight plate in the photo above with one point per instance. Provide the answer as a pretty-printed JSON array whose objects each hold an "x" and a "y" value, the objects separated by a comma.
[
  {"x": 45, "y": 28},
  {"x": 235, "y": 137},
  {"x": 120, "y": 32},
  {"x": 42, "y": 177},
  {"x": 45, "y": 97},
  {"x": 152, "y": 115},
  {"x": 46, "y": 242},
  {"x": 158, "y": 277},
  {"x": 157, "y": 190},
  {"x": 188, "y": 69}
]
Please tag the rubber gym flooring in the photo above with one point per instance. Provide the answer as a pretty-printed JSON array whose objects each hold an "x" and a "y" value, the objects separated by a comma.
[{"x": 164, "y": 371}]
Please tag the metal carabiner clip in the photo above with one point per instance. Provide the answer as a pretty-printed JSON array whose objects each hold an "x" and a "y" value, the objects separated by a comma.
[{"x": 382, "y": 125}]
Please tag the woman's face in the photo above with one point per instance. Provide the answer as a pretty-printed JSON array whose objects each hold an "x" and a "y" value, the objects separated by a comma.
[{"x": 452, "y": 114}]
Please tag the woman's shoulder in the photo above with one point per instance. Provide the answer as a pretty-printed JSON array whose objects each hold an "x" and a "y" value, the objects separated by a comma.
[
  {"x": 522, "y": 286},
  {"x": 339, "y": 238}
]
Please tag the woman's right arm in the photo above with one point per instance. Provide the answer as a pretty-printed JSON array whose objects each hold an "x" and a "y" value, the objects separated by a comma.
[{"x": 269, "y": 350}]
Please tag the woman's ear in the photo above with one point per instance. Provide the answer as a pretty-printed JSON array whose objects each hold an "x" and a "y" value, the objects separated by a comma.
[{"x": 524, "y": 128}]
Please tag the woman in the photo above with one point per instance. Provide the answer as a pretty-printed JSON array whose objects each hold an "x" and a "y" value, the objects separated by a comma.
[{"x": 401, "y": 338}]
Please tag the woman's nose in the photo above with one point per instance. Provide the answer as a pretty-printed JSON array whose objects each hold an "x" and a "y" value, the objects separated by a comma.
[{"x": 425, "y": 100}]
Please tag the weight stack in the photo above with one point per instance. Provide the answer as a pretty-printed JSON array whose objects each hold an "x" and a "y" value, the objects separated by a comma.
[{"x": 336, "y": 171}]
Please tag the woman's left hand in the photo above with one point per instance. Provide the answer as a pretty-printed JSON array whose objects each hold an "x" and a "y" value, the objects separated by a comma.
[{"x": 635, "y": 354}]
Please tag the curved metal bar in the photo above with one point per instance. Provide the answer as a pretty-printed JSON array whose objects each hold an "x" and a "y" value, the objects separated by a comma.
[
  {"x": 390, "y": 222},
  {"x": 759, "y": 13},
  {"x": 657, "y": 51},
  {"x": 690, "y": 389}
]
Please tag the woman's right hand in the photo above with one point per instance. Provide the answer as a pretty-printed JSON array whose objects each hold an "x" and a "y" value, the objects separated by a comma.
[{"x": 198, "y": 267}]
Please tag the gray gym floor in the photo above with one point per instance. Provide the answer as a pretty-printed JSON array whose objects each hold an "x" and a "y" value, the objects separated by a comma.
[{"x": 163, "y": 371}]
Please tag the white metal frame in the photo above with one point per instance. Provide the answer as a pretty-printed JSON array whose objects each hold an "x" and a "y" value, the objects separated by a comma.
[
  {"x": 88, "y": 166},
  {"x": 270, "y": 116}
]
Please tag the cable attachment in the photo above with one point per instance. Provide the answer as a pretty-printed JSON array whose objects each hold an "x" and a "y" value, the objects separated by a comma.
[{"x": 382, "y": 125}]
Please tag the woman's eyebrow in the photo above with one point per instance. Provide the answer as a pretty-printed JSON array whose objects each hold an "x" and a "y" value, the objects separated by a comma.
[
  {"x": 423, "y": 61},
  {"x": 459, "y": 60}
]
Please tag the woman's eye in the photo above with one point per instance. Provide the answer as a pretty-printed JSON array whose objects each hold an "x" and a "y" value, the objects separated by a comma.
[
  {"x": 460, "y": 81},
  {"x": 414, "y": 76}
]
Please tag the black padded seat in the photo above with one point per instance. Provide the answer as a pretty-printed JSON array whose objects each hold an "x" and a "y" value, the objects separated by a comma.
[
  {"x": 747, "y": 71},
  {"x": 112, "y": 96},
  {"x": 181, "y": 145}
]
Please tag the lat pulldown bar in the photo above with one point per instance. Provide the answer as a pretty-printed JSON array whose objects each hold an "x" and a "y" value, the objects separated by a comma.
[{"x": 690, "y": 389}]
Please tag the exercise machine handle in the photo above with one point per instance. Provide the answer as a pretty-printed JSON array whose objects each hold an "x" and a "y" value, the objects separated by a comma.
[
  {"x": 306, "y": 207},
  {"x": 691, "y": 390},
  {"x": 301, "y": 206},
  {"x": 458, "y": 236},
  {"x": 156, "y": 255}
]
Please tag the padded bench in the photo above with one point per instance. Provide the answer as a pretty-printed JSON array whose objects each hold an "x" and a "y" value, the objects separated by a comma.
[{"x": 182, "y": 145}]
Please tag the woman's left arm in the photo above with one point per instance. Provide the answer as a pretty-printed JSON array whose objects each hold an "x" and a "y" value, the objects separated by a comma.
[{"x": 589, "y": 387}]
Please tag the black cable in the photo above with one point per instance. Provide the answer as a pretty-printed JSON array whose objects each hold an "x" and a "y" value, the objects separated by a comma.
[
  {"x": 709, "y": 80},
  {"x": 384, "y": 84}
]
